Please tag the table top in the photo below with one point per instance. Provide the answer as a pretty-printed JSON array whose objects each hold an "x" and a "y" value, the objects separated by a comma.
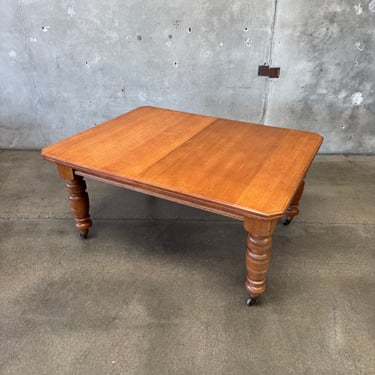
[{"x": 238, "y": 168}]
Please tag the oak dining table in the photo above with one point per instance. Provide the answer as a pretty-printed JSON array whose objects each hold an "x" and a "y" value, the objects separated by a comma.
[{"x": 250, "y": 172}]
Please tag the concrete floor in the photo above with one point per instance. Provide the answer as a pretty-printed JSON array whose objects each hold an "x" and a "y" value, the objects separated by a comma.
[{"x": 158, "y": 288}]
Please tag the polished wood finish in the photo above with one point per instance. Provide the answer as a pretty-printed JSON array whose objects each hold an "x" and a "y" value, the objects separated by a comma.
[
  {"x": 258, "y": 254},
  {"x": 246, "y": 171},
  {"x": 78, "y": 198},
  {"x": 240, "y": 168},
  {"x": 293, "y": 209}
]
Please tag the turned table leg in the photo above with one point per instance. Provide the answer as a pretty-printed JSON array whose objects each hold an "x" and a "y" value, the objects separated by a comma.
[
  {"x": 258, "y": 254},
  {"x": 78, "y": 198},
  {"x": 293, "y": 210}
]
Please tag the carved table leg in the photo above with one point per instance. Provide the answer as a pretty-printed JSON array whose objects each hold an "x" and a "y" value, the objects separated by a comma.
[
  {"x": 293, "y": 210},
  {"x": 78, "y": 198},
  {"x": 258, "y": 254}
]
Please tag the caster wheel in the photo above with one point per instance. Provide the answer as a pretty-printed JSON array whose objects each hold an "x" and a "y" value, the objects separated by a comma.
[
  {"x": 251, "y": 301},
  {"x": 287, "y": 221},
  {"x": 83, "y": 235}
]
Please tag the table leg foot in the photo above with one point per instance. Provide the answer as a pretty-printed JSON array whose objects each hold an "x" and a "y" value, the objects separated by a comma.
[
  {"x": 293, "y": 209},
  {"x": 84, "y": 235},
  {"x": 258, "y": 255},
  {"x": 287, "y": 221},
  {"x": 251, "y": 301}
]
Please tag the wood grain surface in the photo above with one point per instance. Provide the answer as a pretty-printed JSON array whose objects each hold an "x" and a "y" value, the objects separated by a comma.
[{"x": 238, "y": 168}]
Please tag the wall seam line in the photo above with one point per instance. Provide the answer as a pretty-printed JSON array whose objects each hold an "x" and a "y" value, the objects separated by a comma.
[{"x": 266, "y": 95}]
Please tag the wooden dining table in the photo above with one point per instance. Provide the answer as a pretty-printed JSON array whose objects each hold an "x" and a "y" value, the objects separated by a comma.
[{"x": 250, "y": 172}]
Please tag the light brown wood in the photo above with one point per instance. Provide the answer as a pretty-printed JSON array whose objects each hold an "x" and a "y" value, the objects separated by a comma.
[
  {"x": 66, "y": 173},
  {"x": 243, "y": 169},
  {"x": 78, "y": 198},
  {"x": 192, "y": 203},
  {"x": 246, "y": 171},
  {"x": 258, "y": 254}
]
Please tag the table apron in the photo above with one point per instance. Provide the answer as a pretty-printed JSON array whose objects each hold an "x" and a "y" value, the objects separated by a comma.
[{"x": 190, "y": 202}]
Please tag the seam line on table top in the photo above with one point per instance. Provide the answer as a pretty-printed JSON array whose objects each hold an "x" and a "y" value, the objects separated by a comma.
[
  {"x": 206, "y": 198},
  {"x": 140, "y": 176},
  {"x": 192, "y": 137},
  {"x": 180, "y": 145}
]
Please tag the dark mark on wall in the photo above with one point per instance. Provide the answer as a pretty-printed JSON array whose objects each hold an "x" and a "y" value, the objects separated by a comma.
[
  {"x": 139, "y": 37},
  {"x": 266, "y": 71}
]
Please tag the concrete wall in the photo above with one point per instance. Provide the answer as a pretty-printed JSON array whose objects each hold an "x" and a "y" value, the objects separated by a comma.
[{"x": 67, "y": 65}]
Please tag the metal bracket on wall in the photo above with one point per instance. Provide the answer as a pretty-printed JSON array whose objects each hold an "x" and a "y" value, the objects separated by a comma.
[{"x": 266, "y": 71}]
